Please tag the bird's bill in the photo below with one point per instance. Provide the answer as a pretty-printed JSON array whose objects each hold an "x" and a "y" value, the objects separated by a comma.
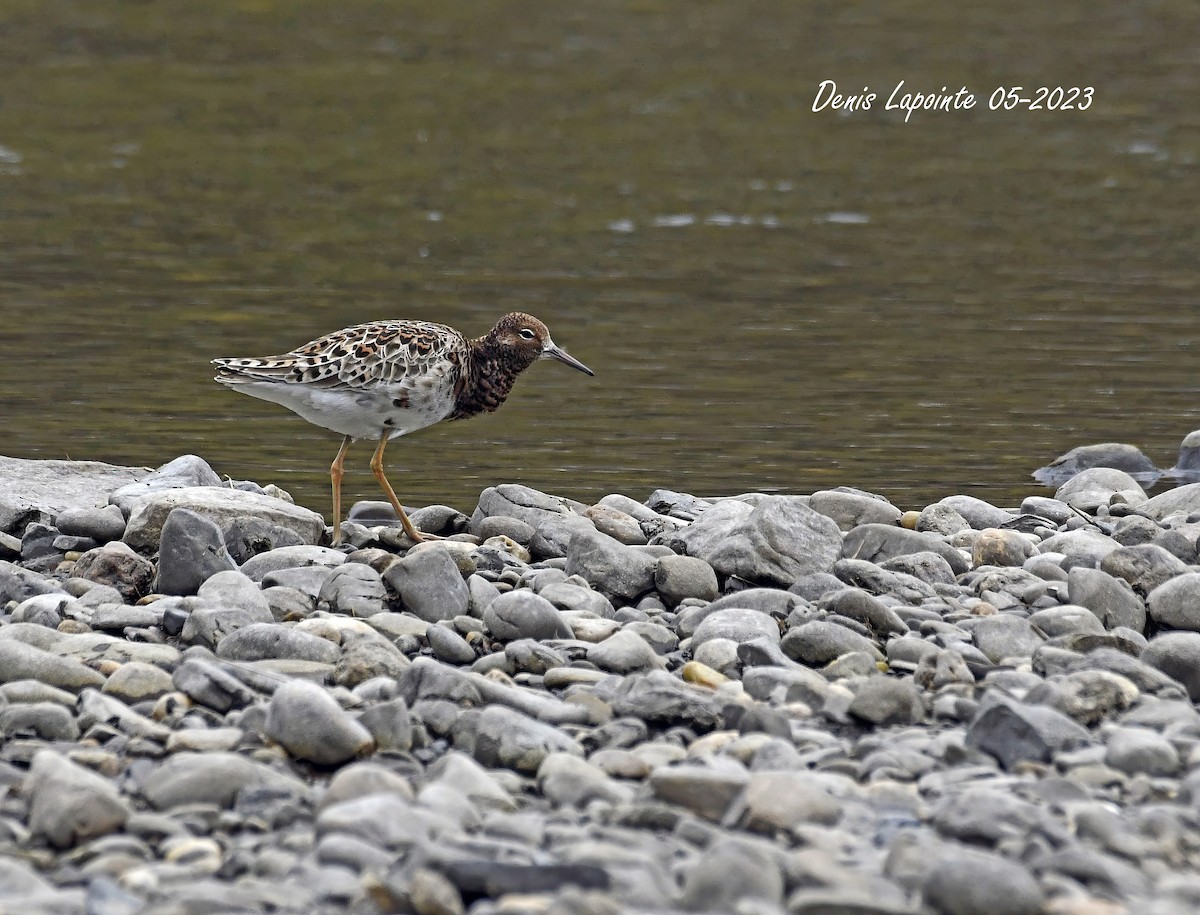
[{"x": 554, "y": 352}]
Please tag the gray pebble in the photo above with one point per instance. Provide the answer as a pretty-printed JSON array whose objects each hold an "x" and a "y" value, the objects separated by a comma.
[
  {"x": 447, "y": 645},
  {"x": 1014, "y": 732},
  {"x": 20, "y": 661},
  {"x": 1005, "y": 636},
  {"x": 256, "y": 641},
  {"x": 1176, "y": 654},
  {"x": 191, "y": 550},
  {"x": 619, "y": 572},
  {"x": 981, "y": 883},
  {"x": 310, "y": 725},
  {"x": 100, "y": 524},
  {"x": 707, "y": 789},
  {"x": 69, "y": 804},
  {"x": 1134, "y": 750},
  {"x": 117, "y": 565},
  {"x": 623, "y": 652},
  {"x": 819, "y": 642},
  {"x": 429, "y": 584},
  {"x": 881, "y": 700},
  {"x": 736, "y": 624},
  {"x": 525, "y": 615},
  {"x": 679, "y": 577},
  {"x": 505, "y": 737}
]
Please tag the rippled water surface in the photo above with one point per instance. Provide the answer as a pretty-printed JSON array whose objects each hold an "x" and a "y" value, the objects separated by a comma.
[{"x": 772, "y": 299}]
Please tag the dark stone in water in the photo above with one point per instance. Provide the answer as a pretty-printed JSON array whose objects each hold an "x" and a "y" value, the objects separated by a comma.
[{"x": 1113, "y": 455}]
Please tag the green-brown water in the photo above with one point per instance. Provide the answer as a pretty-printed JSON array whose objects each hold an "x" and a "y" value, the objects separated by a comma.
[{"x": 772, "y": 298}]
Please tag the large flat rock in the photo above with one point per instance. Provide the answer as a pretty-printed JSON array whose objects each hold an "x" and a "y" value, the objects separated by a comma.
[
  {"x": 51, "y": 486},
  {"x": 149, "y": 513}
]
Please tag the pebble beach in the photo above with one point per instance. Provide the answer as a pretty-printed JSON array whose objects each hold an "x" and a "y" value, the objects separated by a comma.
[{"x": 821, "y": 704}]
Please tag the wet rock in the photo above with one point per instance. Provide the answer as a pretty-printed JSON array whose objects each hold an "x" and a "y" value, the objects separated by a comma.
[
  {"x": 1115, "y": 455},
  {"x": 191, "y": 550},
  {"x": 307, "y": 721},
  {"x": 430, "y": 584},
  {"x": 776, "y": 541},
  {"x": 68, "y": 804},
  {"x": 512, "y": 500},
  {"x": 33, "y": 487},
  {"x": 221, "y": 505},
  {"x": 1084, "y": 547},
  {"x": 117, "y": 565}
]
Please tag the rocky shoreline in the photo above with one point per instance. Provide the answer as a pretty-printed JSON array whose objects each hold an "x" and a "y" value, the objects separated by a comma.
[{"x": 814, "y": 705}]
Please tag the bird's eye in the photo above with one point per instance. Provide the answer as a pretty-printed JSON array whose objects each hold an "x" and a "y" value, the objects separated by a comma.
[{"x": 527, "y": 334}]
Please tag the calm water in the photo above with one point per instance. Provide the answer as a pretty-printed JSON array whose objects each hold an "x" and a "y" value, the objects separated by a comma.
[{"x": 772, "y": 299}]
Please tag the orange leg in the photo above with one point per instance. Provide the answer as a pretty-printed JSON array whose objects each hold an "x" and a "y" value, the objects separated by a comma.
[
  {"x": 377, "y": 469},
  {"x": 335, "y": 474}
]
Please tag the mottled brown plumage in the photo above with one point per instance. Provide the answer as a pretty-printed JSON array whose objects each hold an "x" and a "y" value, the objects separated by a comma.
[{"x": 389, "y": 378}]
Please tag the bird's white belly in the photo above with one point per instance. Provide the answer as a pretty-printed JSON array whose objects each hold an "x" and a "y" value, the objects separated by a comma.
[{"x": 360, "y": 413}]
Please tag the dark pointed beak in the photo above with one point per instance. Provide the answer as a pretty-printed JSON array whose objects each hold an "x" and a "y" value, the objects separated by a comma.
[{"x": 554, "y": 352}]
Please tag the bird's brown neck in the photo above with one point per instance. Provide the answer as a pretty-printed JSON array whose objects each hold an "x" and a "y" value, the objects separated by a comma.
[{"x": 488, "y": 377}]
